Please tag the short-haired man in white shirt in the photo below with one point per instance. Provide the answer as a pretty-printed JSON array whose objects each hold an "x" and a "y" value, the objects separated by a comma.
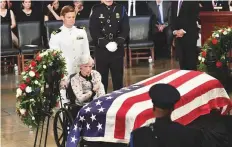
[{"x": 72, "y": 41}]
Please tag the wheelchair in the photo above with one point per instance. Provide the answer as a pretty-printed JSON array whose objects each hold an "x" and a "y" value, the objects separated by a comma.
[{"x": 64, "y": 117}]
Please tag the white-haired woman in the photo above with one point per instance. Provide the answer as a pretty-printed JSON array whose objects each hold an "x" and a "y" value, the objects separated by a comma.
[{"x": 86, "y": 84}]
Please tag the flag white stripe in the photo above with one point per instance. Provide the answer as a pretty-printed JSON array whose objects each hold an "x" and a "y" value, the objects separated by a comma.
[
  {"x": 106, "y": 139},
  {"x": 224, "y": 109},
  {"x": 112, "y": 111}
]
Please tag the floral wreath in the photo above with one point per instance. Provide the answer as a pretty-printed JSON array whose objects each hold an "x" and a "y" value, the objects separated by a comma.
[
  {"x": 30, "y": 93},
  {"x": 216, "y": 50}
]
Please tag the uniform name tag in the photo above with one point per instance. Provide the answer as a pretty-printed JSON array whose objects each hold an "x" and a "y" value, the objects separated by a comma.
[{"x": 117, "y": 15}]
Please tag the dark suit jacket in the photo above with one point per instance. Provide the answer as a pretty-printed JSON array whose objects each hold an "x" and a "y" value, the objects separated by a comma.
[
  {"x": 154, "y": 11},
  {"x": 206, "y": 6},
  {"x": 153, "y": 8},
  {"x": 187, "y": 18}
]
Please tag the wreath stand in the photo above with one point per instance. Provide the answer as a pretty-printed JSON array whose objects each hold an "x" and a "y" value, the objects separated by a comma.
[{"x": 51, "y": 90}]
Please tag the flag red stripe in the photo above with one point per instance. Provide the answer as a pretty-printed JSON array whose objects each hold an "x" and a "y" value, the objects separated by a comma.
[
  {"x": 143, "y": 117},
  {"x": 120, "y": 123},
  {"x": 204, "y": 109},
  {"x": 198, "y": 91}
]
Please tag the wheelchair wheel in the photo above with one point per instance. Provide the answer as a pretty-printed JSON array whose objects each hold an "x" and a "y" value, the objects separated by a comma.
[{"x": 62, "y": 122}]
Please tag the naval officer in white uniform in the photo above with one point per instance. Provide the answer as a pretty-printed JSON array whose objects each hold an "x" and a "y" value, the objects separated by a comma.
[{"x": 73, "y": 43}]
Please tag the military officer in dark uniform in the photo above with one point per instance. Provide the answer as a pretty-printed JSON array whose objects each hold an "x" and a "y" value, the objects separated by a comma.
[
  {"x": 109, "y": 28},
  {"x": 164, "y": 132}
]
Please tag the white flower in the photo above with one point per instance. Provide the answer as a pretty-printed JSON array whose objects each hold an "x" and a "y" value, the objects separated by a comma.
[
  {"x": 223, "y": 57},
  {"x": 33, "y": 118},
  {"x": 229, "y": 29},
  {"x": 199, "y": 58},
  {"x": 18, "y": 92},
  {"x": 215, "y": 35},
  {"x": 220, "y": 30},
  {"x": 31, "y": 73},
  {"x": 225, "y": 32},
  {"x": 32, "y": 100},
  {"x": 41, "y": 54},
  {"x": 24, "y": 77},
  {"x": 28, "y": 89},
  {"x": 44, "y": 66},
  {"x": 23, "y": 73},
  {"x": 36, "y": 82},
  {"x": 203, "y": 59},
  {"x": 42, "y": 89},
  {"x": 22, "y": 111},
  {"x": 45, "y": 53}
]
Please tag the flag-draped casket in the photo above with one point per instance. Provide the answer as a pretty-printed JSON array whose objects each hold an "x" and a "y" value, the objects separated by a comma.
[{"x": 111, "y": 118}]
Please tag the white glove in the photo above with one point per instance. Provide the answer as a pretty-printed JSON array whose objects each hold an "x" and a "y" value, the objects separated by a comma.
[{"x": 112, "y": 46}]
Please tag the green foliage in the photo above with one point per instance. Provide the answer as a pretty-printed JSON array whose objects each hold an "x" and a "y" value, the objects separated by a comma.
[
  {"x": 30, "y": 93},
  {"x": 214, "y": 52}
]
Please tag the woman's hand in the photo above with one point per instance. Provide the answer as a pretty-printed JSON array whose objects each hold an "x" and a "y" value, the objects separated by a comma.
[
  {"x": 50, "y": 7},
  {"x": 96, "y": 87},
  {"x": 78, "y": 8},
  {"x": 64, "y": 83}
]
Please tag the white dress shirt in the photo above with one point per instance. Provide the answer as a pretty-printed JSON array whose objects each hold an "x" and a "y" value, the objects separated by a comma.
[
  {"x": 131, "y": 3},
  {"x": 73, "y": 43},
  {"x": 180, "y": 2},
  {"x": 229, "y": 4}
]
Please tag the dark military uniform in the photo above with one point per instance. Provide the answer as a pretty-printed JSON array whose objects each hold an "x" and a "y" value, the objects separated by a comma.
[
  {"x": 164, "y": 132},
  {"x": 109, "y": 24}
]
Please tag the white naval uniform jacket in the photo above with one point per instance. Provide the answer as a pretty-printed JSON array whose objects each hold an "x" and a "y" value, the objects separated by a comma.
[{"x": 73, "y": 43}]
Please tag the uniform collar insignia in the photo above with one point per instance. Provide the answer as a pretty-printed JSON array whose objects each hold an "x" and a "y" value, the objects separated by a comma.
[
  {"x": 79, "y": 38},
  {"x": 101, "y": 16}
]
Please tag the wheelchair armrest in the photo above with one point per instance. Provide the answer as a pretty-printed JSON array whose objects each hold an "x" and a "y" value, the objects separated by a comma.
[{"x": 70, "y": 105}]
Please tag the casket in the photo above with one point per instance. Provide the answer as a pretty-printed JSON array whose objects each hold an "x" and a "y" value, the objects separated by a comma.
[{"x": 111, "y": 118}]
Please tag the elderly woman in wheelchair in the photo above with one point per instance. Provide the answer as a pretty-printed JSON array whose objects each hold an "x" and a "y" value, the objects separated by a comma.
[{"x": 84, "y": 86}]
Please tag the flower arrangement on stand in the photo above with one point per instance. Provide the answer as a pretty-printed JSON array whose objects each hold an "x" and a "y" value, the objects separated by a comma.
[
  {"x": 30, "y": 93},
  {"x": 216, "y": 51}
]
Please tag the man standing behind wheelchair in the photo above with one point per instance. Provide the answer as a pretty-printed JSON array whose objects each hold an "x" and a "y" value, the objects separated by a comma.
[{"x": 73, "y": 43}]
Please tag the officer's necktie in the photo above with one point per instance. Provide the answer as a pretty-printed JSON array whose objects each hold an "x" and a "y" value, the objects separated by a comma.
[{"x": 159, "y": 15}]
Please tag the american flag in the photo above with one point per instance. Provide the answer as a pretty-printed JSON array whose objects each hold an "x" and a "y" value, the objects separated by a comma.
[{"x": 112, "y": 117}]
